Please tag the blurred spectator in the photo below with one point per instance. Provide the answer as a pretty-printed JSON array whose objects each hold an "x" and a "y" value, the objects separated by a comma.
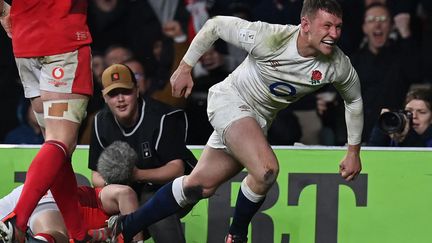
[
  {"x": 10, "y": 87},
  {"x": 352, "y": 34},
  {"x": 28, "y": 131},
  {"x": 386, "y": 67},
  {"x": 169, "y": 54},
  {"x": 426, "y": 47},
  {"x": 137, "y": 68},
  {"x": 96, "y": 102},
  {"x": 331, "y": 110},
  {"x": 418, "y": 128},
  {"x": 285, "y": 129},
  {"x": 198, "y": 15},
  {"x": 144, "y": 27},
  {"x": 235, "y": 55},
  {"x": 278, "y": 11},
  {"x": 107, "y": 20},
  {"x": 117, "y": 54}
]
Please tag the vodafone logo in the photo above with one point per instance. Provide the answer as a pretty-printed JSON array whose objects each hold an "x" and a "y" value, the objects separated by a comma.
[{"x": 58, "y": 72}]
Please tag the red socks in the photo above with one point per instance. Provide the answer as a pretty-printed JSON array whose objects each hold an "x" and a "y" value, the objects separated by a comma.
[
  {"x": 40, "y": 176},
  {"x": 51, "y": 169},
  {"x": 65, "y": 192}
]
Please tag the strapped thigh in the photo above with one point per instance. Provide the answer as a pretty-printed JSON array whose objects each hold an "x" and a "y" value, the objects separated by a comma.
[{"x": 74, "y": 110}]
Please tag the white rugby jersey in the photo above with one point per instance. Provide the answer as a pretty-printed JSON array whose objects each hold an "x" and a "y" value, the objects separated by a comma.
[
  {"x": 274, "y": 74},
  {"x": 8, "y": 203}
]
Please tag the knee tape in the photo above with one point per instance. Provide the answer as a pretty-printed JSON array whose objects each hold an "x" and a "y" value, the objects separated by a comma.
[
  {"x": 40, "y": 119},
  {"x": 177, "y": 190},
  {"x": 249, "y": 194},
  {"x": 72, "y": 109},
  {"x": 183, "y": 198}
]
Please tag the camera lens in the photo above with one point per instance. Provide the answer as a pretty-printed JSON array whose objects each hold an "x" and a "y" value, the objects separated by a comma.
[{"x": 392, "y": 122}]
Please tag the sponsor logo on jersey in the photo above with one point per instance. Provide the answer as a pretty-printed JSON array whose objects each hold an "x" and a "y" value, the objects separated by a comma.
[
  {"x": 57, "y": 73},
  {"x": 247, "y": 36},
  {"x": 282, "y": 89},
  {"x": 316, "y": 77}
]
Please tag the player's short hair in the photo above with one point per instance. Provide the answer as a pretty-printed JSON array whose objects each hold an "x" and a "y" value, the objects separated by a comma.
[
  {"x": 311, "y": 7},
  {"x": 116, "y": 163}
]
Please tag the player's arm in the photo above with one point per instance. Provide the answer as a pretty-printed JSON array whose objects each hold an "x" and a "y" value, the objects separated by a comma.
[
  {"x": 2, "y": 8},
  {"x": 97, "y": 180},
  {"x": 5, "y": 17},
  {"x": 350, "y": 91},
  {"x": 239, "y": 32}
]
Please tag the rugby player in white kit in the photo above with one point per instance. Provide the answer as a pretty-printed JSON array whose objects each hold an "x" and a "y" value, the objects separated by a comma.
[{"x": 284, "y": 63}]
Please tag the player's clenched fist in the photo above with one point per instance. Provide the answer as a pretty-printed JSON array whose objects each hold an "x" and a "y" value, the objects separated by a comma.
[{"x": 181, "y": 80}]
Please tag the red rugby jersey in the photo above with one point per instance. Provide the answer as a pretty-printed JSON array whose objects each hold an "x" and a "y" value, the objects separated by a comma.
[{"x": 48, "y": 27}]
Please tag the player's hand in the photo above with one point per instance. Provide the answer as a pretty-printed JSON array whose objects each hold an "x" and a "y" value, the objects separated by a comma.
[
  {"x": 5, "y": 21},
  {"x": 350, "y": 166},
  {"x": 181, "y": 81}
]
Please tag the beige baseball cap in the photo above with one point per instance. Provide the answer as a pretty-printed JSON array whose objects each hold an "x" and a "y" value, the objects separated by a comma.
[{"x": 117, "y": 76}]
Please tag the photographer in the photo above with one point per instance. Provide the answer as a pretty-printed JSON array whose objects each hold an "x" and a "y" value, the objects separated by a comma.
[{"x": 413, "y": 130}]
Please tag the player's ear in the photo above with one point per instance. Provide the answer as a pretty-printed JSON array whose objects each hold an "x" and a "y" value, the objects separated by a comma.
[{"x": 305, "y": 23}]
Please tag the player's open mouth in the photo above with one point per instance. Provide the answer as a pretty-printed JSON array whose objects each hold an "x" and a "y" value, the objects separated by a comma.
[{"x": 329, "y": 42}]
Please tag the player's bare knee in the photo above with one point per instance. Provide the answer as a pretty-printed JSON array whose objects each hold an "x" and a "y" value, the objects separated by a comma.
[
  {"x": 269, "y": 176},
  {"x": 194, "y": 193},
  {"x": 126, "y": 191},
  {"x": 208, "y": 192}
]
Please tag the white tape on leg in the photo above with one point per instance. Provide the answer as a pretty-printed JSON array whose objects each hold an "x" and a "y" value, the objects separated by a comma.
[{"x": 74, "y": 110}]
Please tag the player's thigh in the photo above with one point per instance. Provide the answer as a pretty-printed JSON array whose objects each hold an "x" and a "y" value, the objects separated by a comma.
[
  {"x": 246, "y": 141},
  {"x": 65, "y": 86},
  {"x": 111, "y": 196},
  {"x": 47, "y": 217},
  {"x": 29, "y": 70},
  {"x": 239, "y": 129},
  {"x": 214, "y": 167}
]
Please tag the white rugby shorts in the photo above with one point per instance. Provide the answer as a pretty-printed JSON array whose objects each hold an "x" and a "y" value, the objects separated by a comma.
[
  {"x": 224, "y": 107},
  {"x": 62, "y": 73}
]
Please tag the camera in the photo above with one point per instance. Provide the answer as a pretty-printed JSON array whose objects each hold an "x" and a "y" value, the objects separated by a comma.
[{"x": 394, "y": 121}]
